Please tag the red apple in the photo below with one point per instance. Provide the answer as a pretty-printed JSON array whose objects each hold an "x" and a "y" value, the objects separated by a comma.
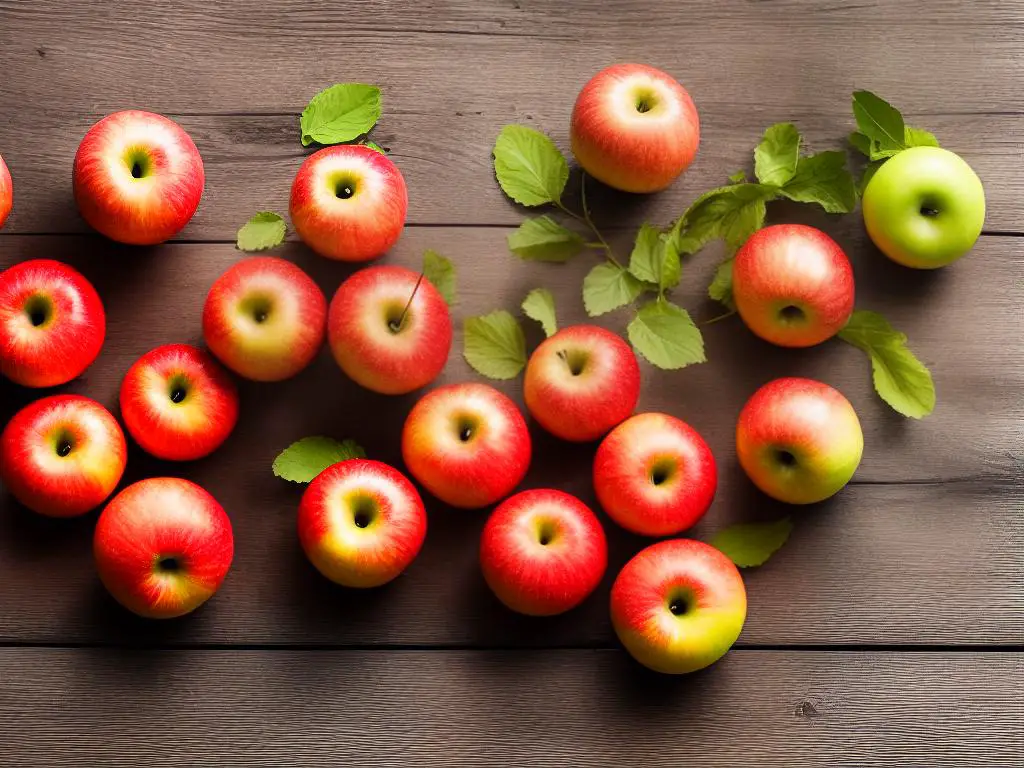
[
  {"x": 654, "y": 475},
  {"x": 380, "y": 343},
  {"x": 793, "y": 285},
  {"x": 52, "y": 323},
  {"x": 467, "y": 444},
  {"x": 62, "y": 456},
  {"x": 137, "y": 177},
  {"x": 678, "y": 606},
  {"x": 265, "y": 318},
  {"x": 581, "y": 382},
  {"x": 349, "y": 202},
  {"x": 6, "y": 192},
  {"x": 543, "y": 552},
  {"x": 177, "y": 403},
  {"x": 799, "y": 440},
  {"x": 361, "y": 523},
  {"x": 634, "y": 128},
  {"x": 162, "y": 547}
]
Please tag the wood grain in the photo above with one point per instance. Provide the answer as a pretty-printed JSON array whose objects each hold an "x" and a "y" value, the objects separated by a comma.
[
  {"x": 238, "y": 89},
  {"x": 64, "y": 709},
  {"x": 922, "y": 548}
]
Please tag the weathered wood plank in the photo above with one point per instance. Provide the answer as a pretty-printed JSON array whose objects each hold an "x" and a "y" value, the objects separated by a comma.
[
  {"x": 582, "y": 708},
  {"x": 935, "y": 508},
  {"x": 239, "y": 89}
]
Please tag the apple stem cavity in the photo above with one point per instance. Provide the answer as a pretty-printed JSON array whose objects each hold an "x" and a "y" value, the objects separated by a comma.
[
  {"x": 63, "y": 448},
  {"x": 396, "y": 325}
]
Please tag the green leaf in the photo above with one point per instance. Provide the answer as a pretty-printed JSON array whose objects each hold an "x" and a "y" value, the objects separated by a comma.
[
  {"x": 529, "y": 167},
  {"x": 666, "y": 335},
  {"x": 881, "y": 122},
  {"x": 375, "y": 147},
  {"x": 731, "y": 213},
  {"x": 343, "y": 112},
  {"x": 264, "y": 230},
  {"x": 494, "y": 345},
  {"x": 539, "y": 305},
  {"x": 721, "y": 286},
  {"x": 440, "y": 271},
  {"x": 544, "y": 239},
  {"x": 750, "y": 544},
  {"x": 775, "y": 158},
  {"x": 861, "y": 143},
  {"x": 671, "y": 264},
  {"x": 899, "y": 377},
  {"x": 823, "y": 179},
  {"x": 916, "y": 137},
  {"x": 653, "y": 260},
  {"x": 738, "y": 178},
  {"x": 608, "y": 287},
  {"x": 869, "y": 171},
  {"x": 301, "y": 461}
]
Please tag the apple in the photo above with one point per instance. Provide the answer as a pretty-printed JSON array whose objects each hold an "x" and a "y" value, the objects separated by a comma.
[
  {"x": 793, "y": 285},
  {"x": 52, "y": 323},
  {"x": 6, "y": 192},
  {"x": 799, "y": 440},
  {"x": 389, "y": 330},
  {"x": 137, "y": 177},
  {"x": 634, "y": 128},
  {"x": 924, "y": 207},
  {"x": 178, "y": 403},
  {"x": 581, "y": 382},
  {"x": 265, "y": 319},
  {"x": 467, "y": 444},
  {"x": 361, "y": 523},
  {"x": 543, "y": 552},
  {"x": 654, "y": 475},
  {"x": 162, "y": 547},
  {"x": 62, "y": 455},
  {"x": 678, "y": 606},
  {"x": 349, "y": 202}
]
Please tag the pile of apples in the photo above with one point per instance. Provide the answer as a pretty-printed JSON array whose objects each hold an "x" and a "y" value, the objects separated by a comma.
[{"x": 164, "y": 545}]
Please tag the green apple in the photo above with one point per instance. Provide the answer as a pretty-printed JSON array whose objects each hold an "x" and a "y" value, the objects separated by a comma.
[{"x": 924, "y": 207}]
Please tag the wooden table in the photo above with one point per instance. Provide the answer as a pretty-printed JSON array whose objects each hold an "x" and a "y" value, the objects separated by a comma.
[{"x": 888, "y": 631}]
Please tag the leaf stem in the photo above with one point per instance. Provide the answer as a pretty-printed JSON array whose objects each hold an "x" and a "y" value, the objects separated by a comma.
[
  {"x": 715, "y": 319},
  {"x": 586, "y": 219},
  {"x": 401, "y": 320}
]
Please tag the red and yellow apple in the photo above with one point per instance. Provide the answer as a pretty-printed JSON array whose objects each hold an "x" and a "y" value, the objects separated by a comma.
[
  {"x": 138, "y": 177},
  {"x": 389, "y": 330},
  {"x": 62, "y": 456},
  {"x": 581, "y": 382},
  {"x": 178, "y": 403},
  {"x": 654, "y": 475},
  {"x": 52, "y": 323},
  {"x": 799, "y": 440},
  {"x": 349, "y": 202},
  {"x": 634, "y": 128},
  {"x": 793, "y": 285},
  {"x": 543, "y": 552},
  {"x": 6, "y": 192},
  {"x": 467, "y": 444},
  {"x": 265, "y": 319},
  {"x": 678, "y": 606},
  {"x": 361, "y": 523},
  {"x": 162, "y": 547}
]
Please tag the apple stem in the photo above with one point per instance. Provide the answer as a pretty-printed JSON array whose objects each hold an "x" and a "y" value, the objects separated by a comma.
[
  {"x": 713, "y": 320},
  {"x": 586, "y": 219},
  {"x": 401, "y": 320}
]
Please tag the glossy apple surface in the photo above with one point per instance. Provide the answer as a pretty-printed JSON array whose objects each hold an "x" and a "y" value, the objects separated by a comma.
[
  {"x": 178, "y": 403},
  {"x": 265, "y": 319},
  {"x": 361, "y": 523},
  {"x": 634, "y": 128},
  {"x": 138, "y": 177},
  {"x": 52, "y": 323},
  {"x": 467, "y": 444},
  {"x": 924, "y": 207},
  {"x": 654, "y": 475},
  {"x": 793, "y": 285},
  {"x": 62, "y": 456},
  {"x": 162, "y": 547},
  {"x": 377, "y": 342},
  {"x": 678, "y": 606},
  {"x": 581, "y": 382},
  {"x": 799, "y": 440},
  {"x": 543, "y": 552},
  {"x": 349, "y": 202},
  {"x": 6, "y": 192}
]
